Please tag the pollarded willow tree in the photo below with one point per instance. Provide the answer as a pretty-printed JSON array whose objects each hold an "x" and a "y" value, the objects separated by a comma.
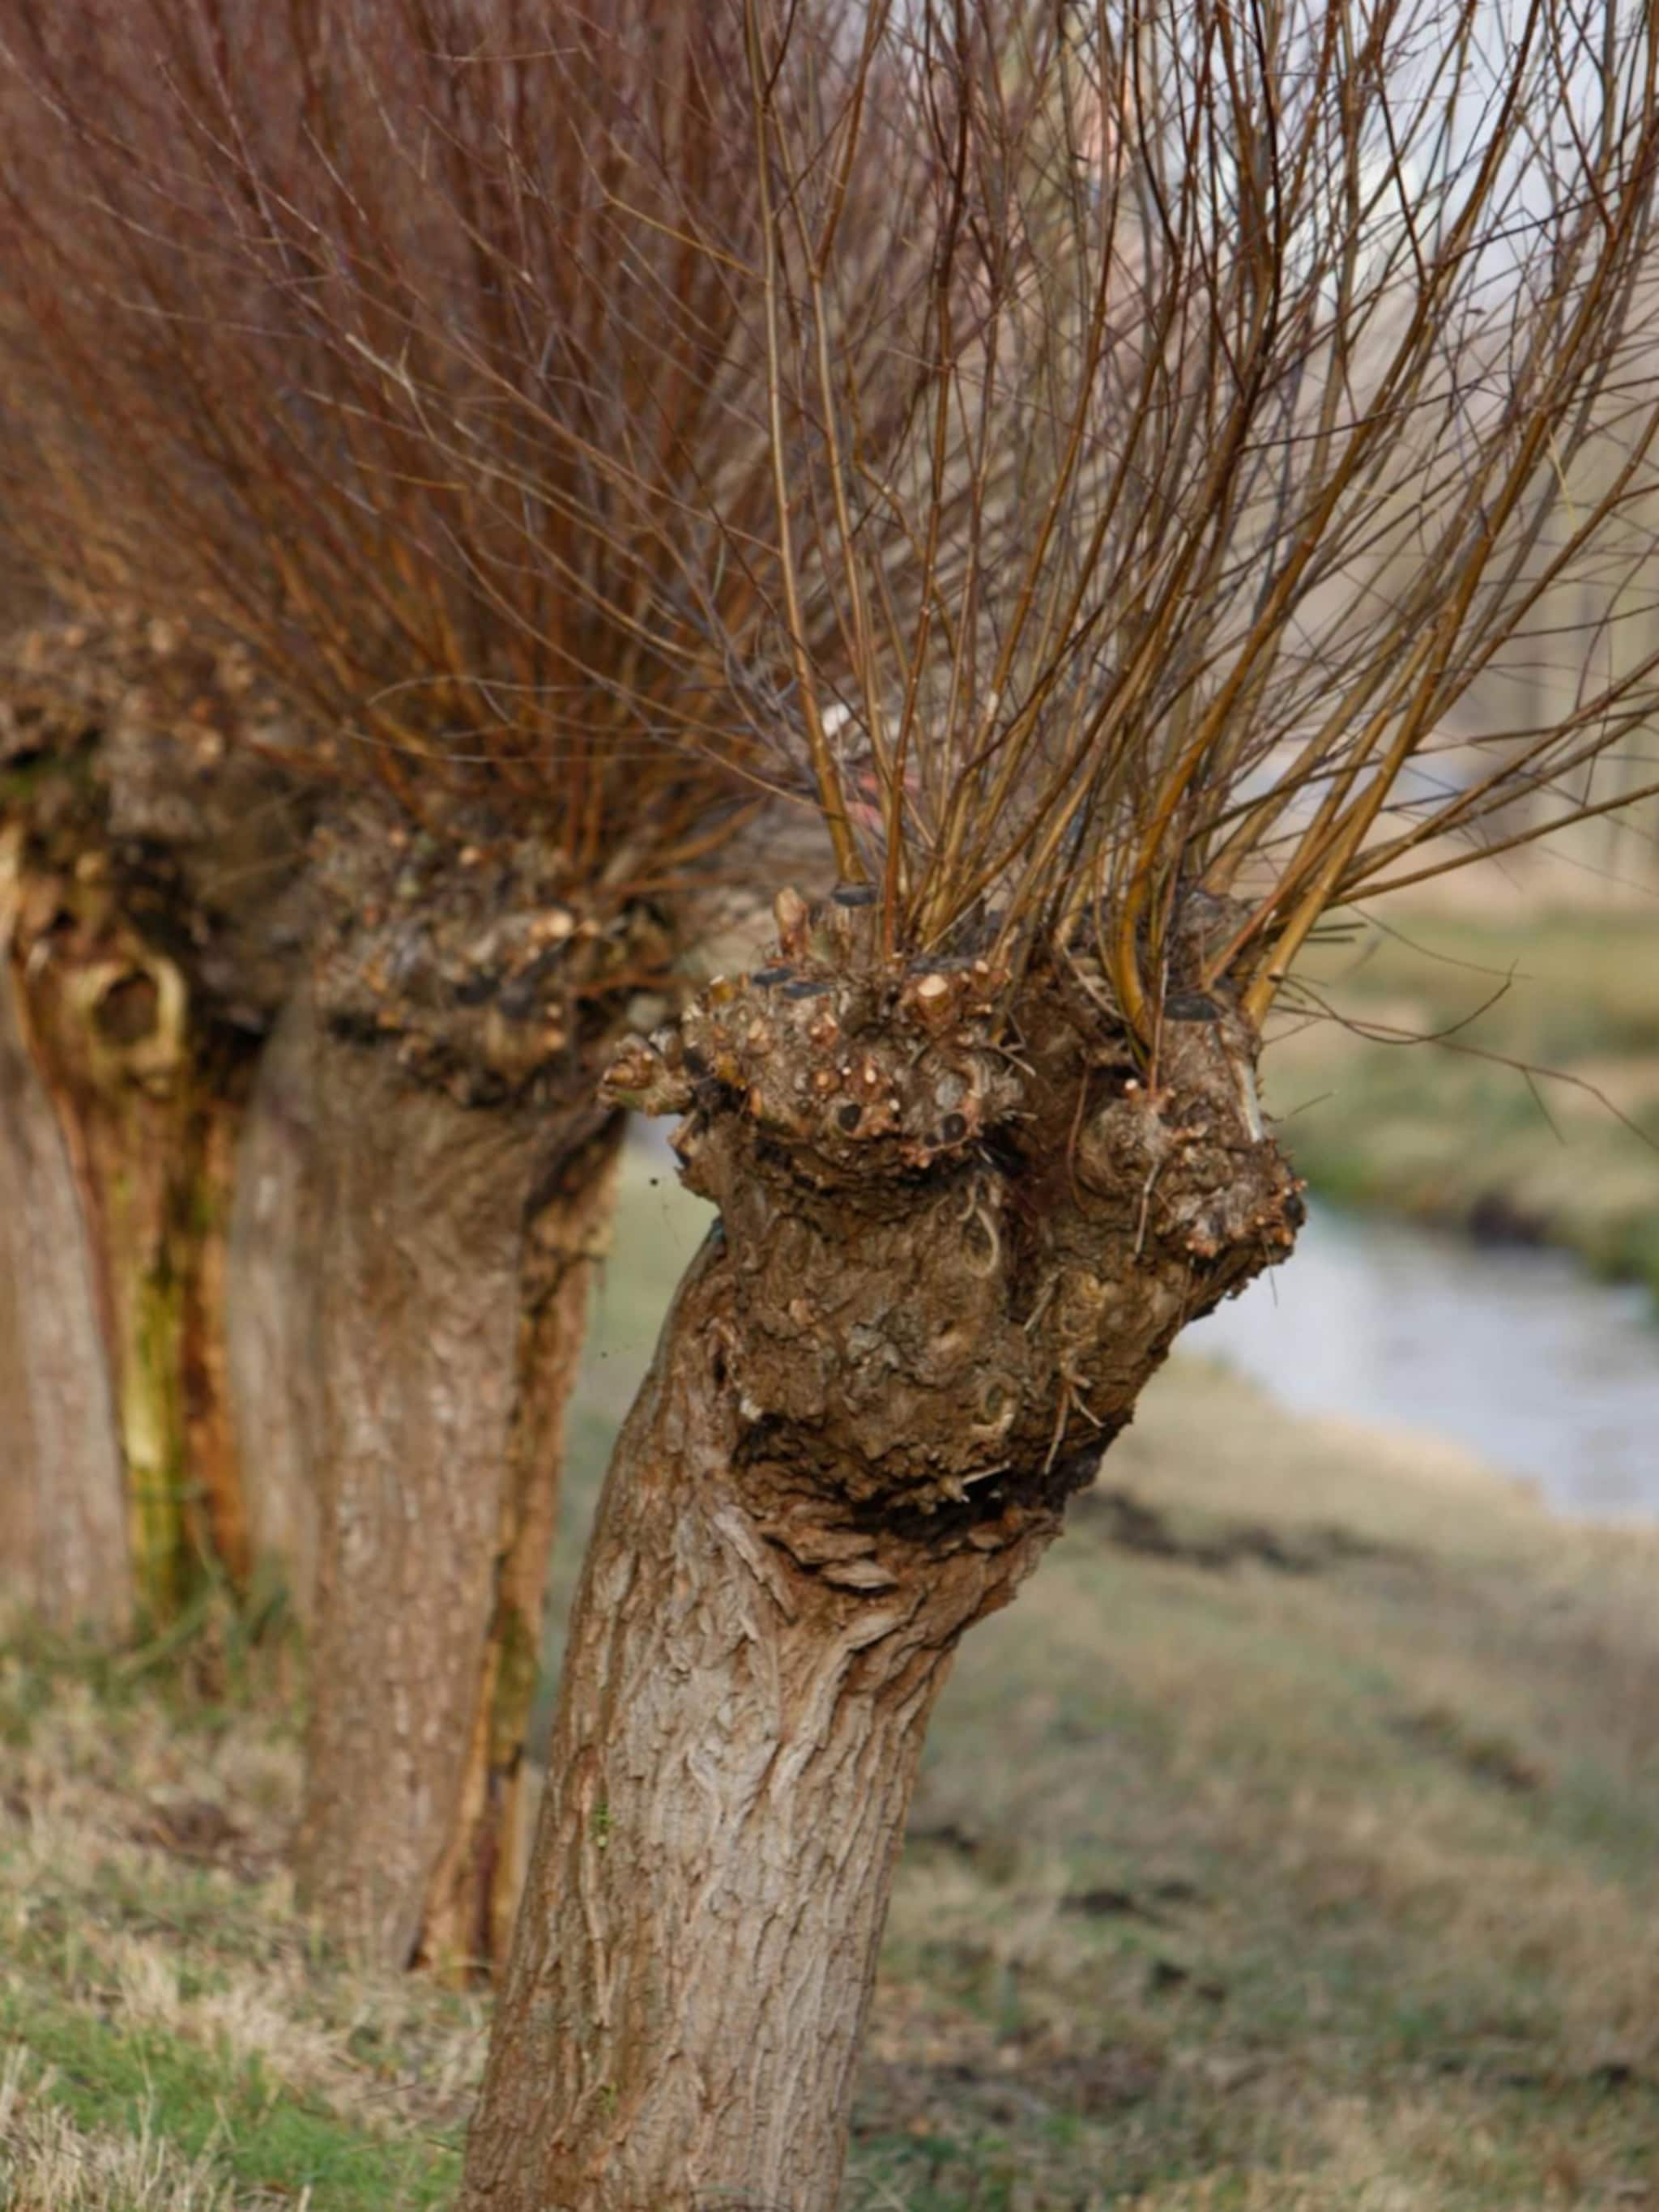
[
  {"x": 1247, "y": 356},
  {"x": 372, "y": 334},
  {"x": 151, "y": 919}
]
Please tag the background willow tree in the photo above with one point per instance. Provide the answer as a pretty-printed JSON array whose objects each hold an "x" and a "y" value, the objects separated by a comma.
[
  {"x": 340, "y": 337},
  {"x": 150, "y": 927},
  {"x": 1246, "y": 357}
]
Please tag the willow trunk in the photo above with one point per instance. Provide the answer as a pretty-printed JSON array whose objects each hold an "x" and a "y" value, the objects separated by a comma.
[
  {"x": 942, "y": 1274},
  {"x": 453, "y": 1250}
]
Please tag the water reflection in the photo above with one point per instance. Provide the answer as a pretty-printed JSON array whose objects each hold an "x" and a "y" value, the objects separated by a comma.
[{"x": 1518, "y": 1354}]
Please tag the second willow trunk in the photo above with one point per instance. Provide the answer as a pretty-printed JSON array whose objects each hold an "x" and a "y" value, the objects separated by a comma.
[{"x": 459, "y": 1178}]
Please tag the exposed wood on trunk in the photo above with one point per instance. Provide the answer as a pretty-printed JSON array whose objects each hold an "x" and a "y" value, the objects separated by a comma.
[
  {"x": 148, "y": 1111},
  {"x": 200, "y": 1235},
  {"x": 475, "y": 1893},
  {"x": 944, "y": 1271},
  {"x": 270, "y": 1313},
  {"x": 157, "y": 904}
]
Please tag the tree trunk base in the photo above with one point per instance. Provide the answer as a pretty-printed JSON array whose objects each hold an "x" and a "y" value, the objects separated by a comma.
[
  {"x": 475, "y": 1893},
  {"x": 453, "y": 1249}
]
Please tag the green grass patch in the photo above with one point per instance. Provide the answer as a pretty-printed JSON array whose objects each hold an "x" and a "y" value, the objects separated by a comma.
[
  {"x": 244, "y": 2126},
  {"x": 1534, "y": 1116}
]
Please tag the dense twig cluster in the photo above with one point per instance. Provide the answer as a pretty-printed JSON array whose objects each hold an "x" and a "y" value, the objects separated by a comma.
[
  {"x": 1276, "y": 368},
  {"x": 1099, "y": 452},
  {"x": 366, "y": 333}
]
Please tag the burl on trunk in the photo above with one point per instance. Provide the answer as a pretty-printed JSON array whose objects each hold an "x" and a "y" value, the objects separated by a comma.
[{"x": 957, "y": 1236}]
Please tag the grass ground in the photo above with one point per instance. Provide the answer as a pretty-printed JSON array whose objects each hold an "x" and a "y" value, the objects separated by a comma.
[
  {"x": 1442, "y": 1131},
  {"x": 1290, "y": 1846}
]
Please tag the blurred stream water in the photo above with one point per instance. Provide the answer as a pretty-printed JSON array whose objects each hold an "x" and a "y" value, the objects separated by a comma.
[{"x": 1517, "y": 1354}]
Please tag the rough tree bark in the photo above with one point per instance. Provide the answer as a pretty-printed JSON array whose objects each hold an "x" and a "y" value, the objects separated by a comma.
[
  {"x": 475, "y": 1893},
  {"x": 463, "y": 1178},
  {"x": 950, "y": 1253},
  {"x": 441, "y": 1405}
]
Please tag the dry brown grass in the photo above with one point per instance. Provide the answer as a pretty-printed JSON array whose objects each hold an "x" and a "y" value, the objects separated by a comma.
[
  {"x": 1323, "y": 1877},
  {"x": 1289, "y": 1847},
  {"x": 184, "y": 2032}
]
